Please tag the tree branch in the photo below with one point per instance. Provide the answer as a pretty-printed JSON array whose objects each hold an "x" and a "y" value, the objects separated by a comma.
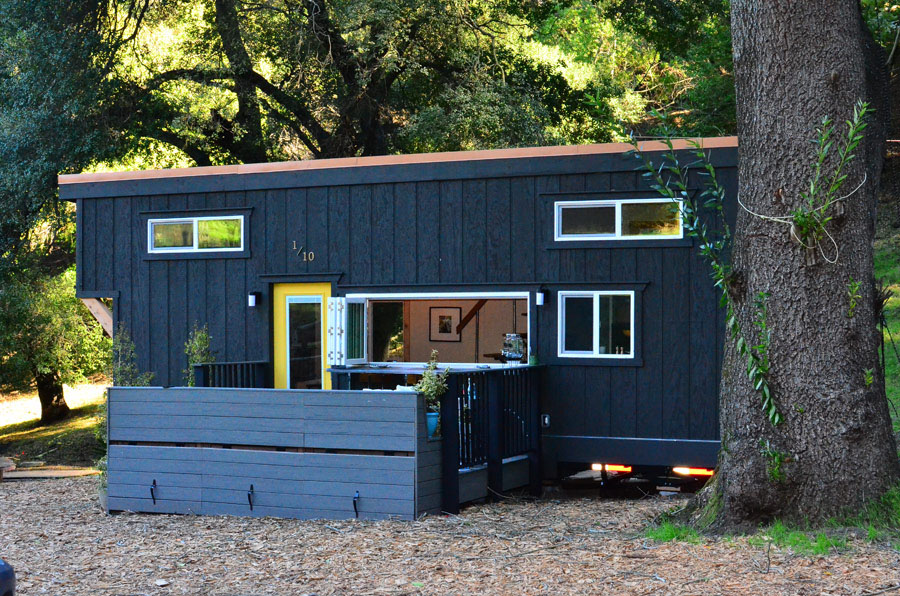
[
  {"x": 192, "y": 150},
  {"x": 250, "y": 144},
  {"x": 295, "y": 106},
  {"x": 197, "y": 75}
]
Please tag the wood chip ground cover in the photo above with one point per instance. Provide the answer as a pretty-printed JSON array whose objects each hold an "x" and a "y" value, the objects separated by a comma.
[{"x": 59, "y": 541}]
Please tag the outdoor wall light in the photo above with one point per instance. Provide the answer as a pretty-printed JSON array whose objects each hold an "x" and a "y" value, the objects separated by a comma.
[
  {"x": 539, "y": 298},
  {"x": 253, "y": 299}
]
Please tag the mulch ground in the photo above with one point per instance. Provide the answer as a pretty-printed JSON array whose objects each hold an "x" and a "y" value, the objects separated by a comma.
[{"x": 59, "y": 541}]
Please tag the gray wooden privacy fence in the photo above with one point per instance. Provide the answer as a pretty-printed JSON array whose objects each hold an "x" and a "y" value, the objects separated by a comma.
[{"x": 267, "y": 452}]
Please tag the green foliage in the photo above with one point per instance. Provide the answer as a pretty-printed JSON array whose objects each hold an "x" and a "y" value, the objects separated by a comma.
[
  {"x": 775, "y": 461},
  {"x": 883, "y": 19},
  {"x": 433, "y": 384},
  {"x": 101, "y": 431},
  {"x": 669, "y": 532},
  {"x": 869, "y": 376},
  {"x": 197, "y": 350},
  {"x": 809, "y": 220},
  {"x": 853, "y": 296},
  {"x": 124, "y": 369},
  {"x": 54, "y": 117},
  {"x": 758, "y": 356},
  {"x": 668, "y": 24},
  {"x": 713, "y": 505},
  {"x": 46, "y": 330},
  {"x": 880, "y": 514},
  {"x": 627, "y": 69},
  {"x": 887, "y": 268},
  {"x": 102, "y": 466},
  {"x": 801, "y": 543}
]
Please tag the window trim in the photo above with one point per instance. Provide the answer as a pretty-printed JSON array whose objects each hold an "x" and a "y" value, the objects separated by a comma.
[
  {"x": 595, "y": 353},
  {"x": 558, "y": 206},
  {"x": 151, "y": 249}
]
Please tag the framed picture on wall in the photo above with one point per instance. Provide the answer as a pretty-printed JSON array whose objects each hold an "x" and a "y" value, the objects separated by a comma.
[{"x": 443, "y": 323}]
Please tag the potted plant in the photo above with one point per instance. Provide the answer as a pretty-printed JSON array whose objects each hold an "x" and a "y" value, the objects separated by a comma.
[{"x": 432, "y": 385}]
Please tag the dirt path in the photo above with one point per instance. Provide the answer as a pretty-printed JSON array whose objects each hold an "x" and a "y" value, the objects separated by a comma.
[
  {"x": 60, "y": 543},
  {"x": 22, "y": 407}
]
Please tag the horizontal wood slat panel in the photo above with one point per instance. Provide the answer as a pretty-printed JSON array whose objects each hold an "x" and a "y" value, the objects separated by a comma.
[
  {"x": 323, "y": 474},
  {"x": 147, "y": 505},
  {"x": 294, "y": 501},
  {"x": 176, "y": 408},
  {"x": 195, "y": 471},
  {"x": 242, "y": 437},
  {"x": 249, "y": 457},
  {"x": 190, "y": 423}
]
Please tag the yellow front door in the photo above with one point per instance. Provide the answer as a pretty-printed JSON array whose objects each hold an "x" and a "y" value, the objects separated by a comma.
[{"x": 300, "y": 321}]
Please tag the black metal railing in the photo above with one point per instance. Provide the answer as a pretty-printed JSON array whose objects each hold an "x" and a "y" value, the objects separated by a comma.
[
  {"x": 497, "y": 415},
  {"x": 240, "y": 375},
  {"x": 520, "y": 411}
]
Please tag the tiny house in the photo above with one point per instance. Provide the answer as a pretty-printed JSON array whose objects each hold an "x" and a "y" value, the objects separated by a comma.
[{"x": 552, "y": 278}]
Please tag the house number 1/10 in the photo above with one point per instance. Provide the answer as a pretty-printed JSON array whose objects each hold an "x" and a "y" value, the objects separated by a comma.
[{"x": 306, "y": 255}]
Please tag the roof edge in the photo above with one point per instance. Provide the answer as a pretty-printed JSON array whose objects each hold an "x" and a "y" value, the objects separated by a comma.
[{"x": 388, "y": 160}]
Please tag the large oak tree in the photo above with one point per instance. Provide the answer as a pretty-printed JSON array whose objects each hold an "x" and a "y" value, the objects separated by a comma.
[{"x": 795, "y": 64}]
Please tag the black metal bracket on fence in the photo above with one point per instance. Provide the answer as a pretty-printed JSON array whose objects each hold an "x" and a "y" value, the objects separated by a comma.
[
  {"x": 355, "y": 504},
  {"x": 450, "y": 447},
  {"x": 153, "y": 491},
  {"x": 250, "y": 497}
]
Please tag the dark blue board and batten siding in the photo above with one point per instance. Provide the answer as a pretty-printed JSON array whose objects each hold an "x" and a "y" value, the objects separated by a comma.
[
  {"x": 306, "y": 454},
  {"x": 445, "y": 226}
]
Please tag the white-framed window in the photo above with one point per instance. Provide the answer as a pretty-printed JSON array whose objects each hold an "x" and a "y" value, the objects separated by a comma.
[
  {"x": 596, "y": 324},
  {"x": 221, "y": 233},
  {"x": 620, "y": 219}
]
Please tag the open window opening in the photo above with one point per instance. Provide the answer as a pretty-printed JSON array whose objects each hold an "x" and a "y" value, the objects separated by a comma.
[{"x": 402, "y": 330}]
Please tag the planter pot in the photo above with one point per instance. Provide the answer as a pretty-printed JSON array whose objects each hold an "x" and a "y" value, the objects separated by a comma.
[
  {"x": 431, "y": 422},
  {"x": 102, "y": 494}
]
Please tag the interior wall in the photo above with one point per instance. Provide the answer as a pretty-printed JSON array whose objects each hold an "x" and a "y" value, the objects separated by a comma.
[{"x": 483, "y": 335}]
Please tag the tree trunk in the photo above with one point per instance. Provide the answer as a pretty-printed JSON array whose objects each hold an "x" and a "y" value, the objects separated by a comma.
[
  {"x": 796, "y": 63},
  {"x": 53, "y": 403}
]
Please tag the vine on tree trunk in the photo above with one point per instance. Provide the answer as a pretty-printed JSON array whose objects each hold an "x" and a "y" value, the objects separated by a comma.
[
  {"x": 809, "y": 220},
  {"x": 670, "y": 180},
  {"x": 808, "y": 227}
]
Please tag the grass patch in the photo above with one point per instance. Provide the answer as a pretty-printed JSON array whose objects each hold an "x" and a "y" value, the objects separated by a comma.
[
  {"x": 878, "y": 518},
  {"x": 69, "y": 442},
  {"x": 799, "y": 542},
  {"x": 887, "y": 268},
  {"x": 669, "y": 532}
]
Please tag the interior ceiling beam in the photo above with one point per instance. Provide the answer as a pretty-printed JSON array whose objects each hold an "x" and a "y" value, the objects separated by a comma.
[{"x": 470, "y": 315}]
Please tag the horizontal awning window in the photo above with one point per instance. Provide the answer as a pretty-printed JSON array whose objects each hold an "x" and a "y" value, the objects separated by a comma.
[
  {"x": 196, "y": 234},
  {"x": 624, "y": 219}
]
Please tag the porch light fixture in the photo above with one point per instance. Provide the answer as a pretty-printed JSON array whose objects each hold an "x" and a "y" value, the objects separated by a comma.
[
  {"x": 253, "y": 299},
  {"x": 539, "y": 298}
]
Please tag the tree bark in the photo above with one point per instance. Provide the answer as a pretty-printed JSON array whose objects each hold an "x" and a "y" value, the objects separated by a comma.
[
  {"x": 50, "y": 393},
  {"x": 796, "y": 63}
]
